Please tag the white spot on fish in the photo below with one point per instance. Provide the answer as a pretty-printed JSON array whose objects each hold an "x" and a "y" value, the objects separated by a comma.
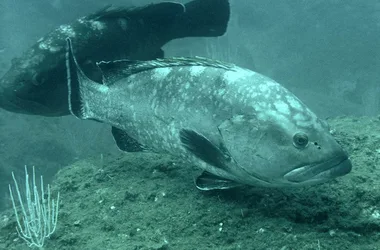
[
  {"x": 196, "y": 70},
  {"x": 241, "y": 90},
  {"x": 221, "y": 92},
  {"x": 123, "y": 23},
  {"x": 306, "y": 123},
  {"x": 96, "y": 25},
  {"x": 263, "y": 105},
  {"x": 173, "y": 101},
  {"x": 103, "y": 88},
  {"x": 67, "y": 30},
  {"x": 294, "y": 103},
  {"x": 299, "y": 117},
  {"x": 254, "y": 95},
  {"x": 272, "y": 83},
  {"x": 45, "y": 44},
  {"x": 161, "y": 73},
  {"x": 264, "y": 88},
  {"x": 81, "y": 20},
  {"x": 54, "y": 49},
  {"x": 181, "y": 107},
  {"x": 282, "y": 107},
  {"x": 237, "y": 74},
  {"x": 232, "y": 76}
]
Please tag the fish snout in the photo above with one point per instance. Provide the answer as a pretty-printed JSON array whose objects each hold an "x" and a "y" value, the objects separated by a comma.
[
  {"x": 9, "y": 100},
  {"x": 12, "y": 99},
  {"x": 6, "y": 97}
]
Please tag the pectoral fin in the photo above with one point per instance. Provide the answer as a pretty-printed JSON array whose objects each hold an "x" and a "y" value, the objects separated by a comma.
[
  {"x": 126, "y": 143},
  {"x": 204, "y": 149}
]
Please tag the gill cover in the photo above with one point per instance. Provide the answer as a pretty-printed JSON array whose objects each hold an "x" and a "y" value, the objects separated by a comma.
[{"x": 242, "y": 135}]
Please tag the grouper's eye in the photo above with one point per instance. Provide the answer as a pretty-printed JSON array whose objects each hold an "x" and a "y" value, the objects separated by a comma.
[
  {"x": 38, "y": 79},
  {"x": 300, "y": 140}
]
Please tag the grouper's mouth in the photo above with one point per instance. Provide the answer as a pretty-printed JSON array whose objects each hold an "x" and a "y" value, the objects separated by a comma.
[{"x": 320, "y": 172}]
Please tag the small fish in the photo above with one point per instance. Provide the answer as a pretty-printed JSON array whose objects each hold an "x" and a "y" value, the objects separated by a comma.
[
  {"x": 36, "y": 82},
  {"x": 239, "y": 126},
  {"x": 2, "y": 49}
]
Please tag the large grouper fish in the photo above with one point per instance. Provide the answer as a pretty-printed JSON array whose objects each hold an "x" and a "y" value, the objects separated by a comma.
[
  {"x": 239, "y": 126},
  {"x": 36, "y": 82}
]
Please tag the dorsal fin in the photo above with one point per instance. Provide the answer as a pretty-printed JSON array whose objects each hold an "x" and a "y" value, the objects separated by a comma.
[
  {"x": 149, "y": 12},
  {"x": 113, "y": 70}
]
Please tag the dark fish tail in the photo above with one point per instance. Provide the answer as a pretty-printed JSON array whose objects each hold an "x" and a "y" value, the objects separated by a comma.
[
  {"x": 170, "y": 20},
  {"x": 208, "y": 18},
  {"x": 198, "y": 18}
]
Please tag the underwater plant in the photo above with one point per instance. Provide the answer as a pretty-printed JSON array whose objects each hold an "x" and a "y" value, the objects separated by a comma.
[{"x": 39, "y": 212}]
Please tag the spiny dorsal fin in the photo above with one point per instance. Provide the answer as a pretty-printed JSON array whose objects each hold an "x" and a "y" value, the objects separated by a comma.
[{"x": 124, "y": 68}]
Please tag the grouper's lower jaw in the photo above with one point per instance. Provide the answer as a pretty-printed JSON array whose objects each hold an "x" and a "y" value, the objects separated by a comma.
[{"x": 319, "y": 173}]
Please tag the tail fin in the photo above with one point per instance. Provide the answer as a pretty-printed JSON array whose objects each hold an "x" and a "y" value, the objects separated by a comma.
[
  {"x": 171, "y": 20},
  {"x": 204, "y": 18},
  {"x": 76, "y": 82}
]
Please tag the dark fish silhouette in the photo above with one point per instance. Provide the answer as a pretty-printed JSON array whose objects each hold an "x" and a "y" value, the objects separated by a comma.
[
  {"x": 36, "y": 82},
  {"x": 239, "y": 126}
]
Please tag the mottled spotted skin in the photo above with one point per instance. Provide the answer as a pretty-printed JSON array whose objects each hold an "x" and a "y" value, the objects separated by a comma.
[
  {"x": 252, "y": 118},
  {"x": 42, "y": 69},
  {"x": 36, "y": 82}
]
